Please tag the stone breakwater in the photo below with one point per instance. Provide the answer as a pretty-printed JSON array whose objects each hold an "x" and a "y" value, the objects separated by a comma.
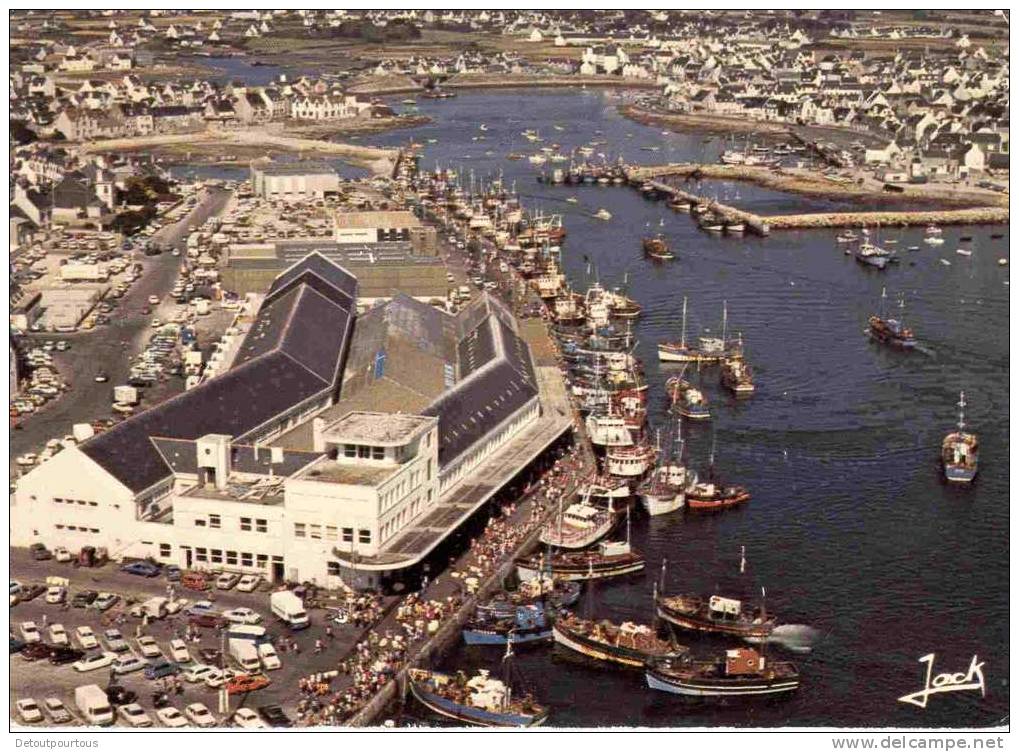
[{"x": 979, "y": 216}]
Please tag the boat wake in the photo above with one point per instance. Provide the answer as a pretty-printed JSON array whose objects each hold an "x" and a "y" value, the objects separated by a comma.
[{"x": 799, "y": 638}]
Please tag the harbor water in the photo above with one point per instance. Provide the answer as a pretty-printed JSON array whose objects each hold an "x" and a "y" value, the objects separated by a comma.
[{"x": 850, "y": 529}]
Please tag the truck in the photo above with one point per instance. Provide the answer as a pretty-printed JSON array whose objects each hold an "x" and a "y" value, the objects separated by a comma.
[
  {"x": 94, "y": 705},
  {"x": 82, "y": 432},
  {"x": 244, "y": 654},
  {"x": 125, "y": 394},
  {"x": 253, "y": 633},
  {"x": 288, "y": 608}
]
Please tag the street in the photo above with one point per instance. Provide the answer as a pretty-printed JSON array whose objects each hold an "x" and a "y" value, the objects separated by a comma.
[{"x": 108, "y": 349}]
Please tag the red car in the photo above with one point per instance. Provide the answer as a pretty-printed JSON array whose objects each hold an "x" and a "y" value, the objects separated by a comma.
[
  {"x": 208, "y": 620},
  {"x": 246, "y": 683}
]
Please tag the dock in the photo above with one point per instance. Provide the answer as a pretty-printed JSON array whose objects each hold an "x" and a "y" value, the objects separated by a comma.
[{"x": 995, "y": 212}]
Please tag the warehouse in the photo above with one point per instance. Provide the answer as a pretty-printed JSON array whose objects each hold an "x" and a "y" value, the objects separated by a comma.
[
  {"x": 295, "y": 181},
  {"x": 334, "y": 450}
]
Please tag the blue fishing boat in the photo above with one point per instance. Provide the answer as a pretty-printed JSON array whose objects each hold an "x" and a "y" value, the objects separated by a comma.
[
  {"x": 528, "y": 624},
  {"x": 556, "y": 594}
]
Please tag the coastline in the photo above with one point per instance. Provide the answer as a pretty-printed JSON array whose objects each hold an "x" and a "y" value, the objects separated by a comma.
[{"x": 391, "y": 85}]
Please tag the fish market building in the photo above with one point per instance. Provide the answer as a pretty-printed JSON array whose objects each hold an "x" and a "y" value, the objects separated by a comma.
[{"x": 337, "y": 447}]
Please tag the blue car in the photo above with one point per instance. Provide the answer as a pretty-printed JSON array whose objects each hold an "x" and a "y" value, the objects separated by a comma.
[
  {"x": 159, "y": 668},
  {"x": 172, "y": 572},
  {"x": 141, "y": 568}
]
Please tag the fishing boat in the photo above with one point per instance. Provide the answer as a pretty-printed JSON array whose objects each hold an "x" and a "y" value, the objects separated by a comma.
[
  {"x": 737, "y": 376},
  {"x": 665, "y": 490},
  {"x": 739, "y": 672},
  {"x": 656, "y": 248},
  {"x": 686, "y": 400},
  {"x": 608, "y": 559},
  {"x": 934, "y": 240},
  {"x": 578, "y": 526},
  {"x": 555, "y": 594},
  {"x": 629, "y": 462},
  {"x": 846, "y": 237},
  {"x": 716, "y": 615},
  {"x": 605, "y": 490},
  {"x": 734, "y": 228},
  {"x": 628, "y": 644},
  {"x": 478, "y": 701},
  {"x": 608, "y": 431},
  {"x": 708, "y": 349},
  {"x": 527, "y": 624},
  {"x": 603, "y": 213},
  {"x": 960, "y": 451},
  {"x": 888, "y": 331},
  {"x": 706, "y": 496}
]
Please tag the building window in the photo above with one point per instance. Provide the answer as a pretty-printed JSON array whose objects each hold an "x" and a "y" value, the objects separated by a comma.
[
  {"x": 261, "y": 526},
  {"x": 364, "y": 536},
  {"x": 331, "y": 532},
  {"x": 199, "y": 523},
  {"x": 231, "y": 558},
  {"x": 262, "y": 560},
  {"x": 349, "y": 450},
  {"x": 364, "y": 452},
  {"x": 246, "y": 560},
  {"x": 348, "y": 535},
  {"x": 378, "y": 453},
  {"x": 214, "y": 520},
  {"x": 315, "y": 532},
  {"x": 246, "y": 524},
  {"x": 164, "y": 550},
  {"x": 216, "y": 555},
  {"x": 299, "y": 531},
  {"x": 333, "y": 568},
  {"x": 201, "y": 554}
]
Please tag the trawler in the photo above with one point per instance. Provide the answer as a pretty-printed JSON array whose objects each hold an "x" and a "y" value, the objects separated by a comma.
[
  {"x": 555, "y": 594},
  {"x": 608, "y": 559},
  {"x": 578, "y": 526},
  {"x": 706, "y": 496},
  {"x": 656, "y": 248},
  {"x": 527, "y": 624},
  {"x": 607, "y": 431},
  {"x": 740, "y": 672},
  {"x": 893, "y": 332},
  {"x": 686, "y": 400},
  {"x": 568, "y": 308},
  {"x": 629, "y": 462},
  {"x": 479, "y": 701},
  {"x": 549, "y": 283},
  {"x": 628, "y": 644},
  {"x": 665, "y": 490},
  {"x": 708, "y": 349},
  {"x": 622, "y": 306},
  {"x": 715, "y": 615},
  {"x": 737, "y": 375},
  {"x": 960, "y": 451}
]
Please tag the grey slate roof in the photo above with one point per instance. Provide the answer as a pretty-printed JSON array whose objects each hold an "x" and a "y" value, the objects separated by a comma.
[{"x": 300, "y": 354}]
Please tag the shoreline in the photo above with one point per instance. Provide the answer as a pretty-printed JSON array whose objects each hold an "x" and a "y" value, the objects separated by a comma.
[{"x": 465, "y": 82}]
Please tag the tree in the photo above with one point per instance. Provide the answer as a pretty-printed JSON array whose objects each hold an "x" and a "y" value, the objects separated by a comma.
[{"x": 21, "y": 134}]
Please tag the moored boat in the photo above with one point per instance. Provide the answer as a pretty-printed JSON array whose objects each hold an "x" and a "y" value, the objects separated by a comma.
[
  {"x": 555, "y": 594},
  {"x": 686, "y": 400},
  {"x": 656, "y": 248},
  {"x": 737, "y": 375},
  {"x": 528, "y": 624},
  {"x": 479, "y": 701},
  {"x": 890, "y": 331},
  {"x": 740, "y": 672},
  {"x": 628, "y": 644},
  {"x": 609, "y": 559},
  {"x": 706, "y": 496},
  {"x": 716, "y": 615},
  {"x": 578, "y": 526}
]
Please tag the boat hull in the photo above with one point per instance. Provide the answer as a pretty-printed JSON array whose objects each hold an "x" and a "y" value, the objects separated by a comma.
[
  {"x": 656, "y": 505},
  {"x": 719, "y": 688},
  {"x": 474, "y": 716},
  {"x": 748, "y": 632},
  {"x": 599, "y": 651},
  {"x": 581, "y": 572},
  {"x": 491, "y": 637}
]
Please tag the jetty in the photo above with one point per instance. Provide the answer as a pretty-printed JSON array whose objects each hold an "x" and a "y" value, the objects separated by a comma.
[{"x": 956, "y": 210}]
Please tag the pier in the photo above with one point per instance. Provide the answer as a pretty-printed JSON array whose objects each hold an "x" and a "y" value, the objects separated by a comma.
[{"x": 995, "y": 212}]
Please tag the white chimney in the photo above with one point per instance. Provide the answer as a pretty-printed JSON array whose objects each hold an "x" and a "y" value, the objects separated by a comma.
[{"x": 318, "y": 439}]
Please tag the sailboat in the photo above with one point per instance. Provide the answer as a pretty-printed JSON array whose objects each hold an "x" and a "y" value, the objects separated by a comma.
[{"x": 960, "y": 451}]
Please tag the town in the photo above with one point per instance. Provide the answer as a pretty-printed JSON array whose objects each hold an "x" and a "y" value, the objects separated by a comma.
[{"x": 351, "y": 361}]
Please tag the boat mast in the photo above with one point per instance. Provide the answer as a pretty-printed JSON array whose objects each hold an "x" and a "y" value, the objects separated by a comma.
[
  {"x": 682, "y": 341},
  {"x": 725, "y": 321},
  {"x": 962, "y": 405}
]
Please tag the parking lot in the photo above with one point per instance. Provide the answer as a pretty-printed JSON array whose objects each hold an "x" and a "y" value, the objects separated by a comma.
[{"x": 39, "y": 679}]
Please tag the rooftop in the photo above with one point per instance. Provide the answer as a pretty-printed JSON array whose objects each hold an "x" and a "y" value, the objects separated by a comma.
[
  {"x": 372, "y": 219},
  {"x": 389, "y": 429},
  {"x": 331, "y": 471},
  {"x": 296, "y": 168},
  {"x": 265, "y": 491}
]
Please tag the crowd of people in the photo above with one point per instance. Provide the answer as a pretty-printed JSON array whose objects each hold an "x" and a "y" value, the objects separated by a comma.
[{"x": 359, "y": 611}]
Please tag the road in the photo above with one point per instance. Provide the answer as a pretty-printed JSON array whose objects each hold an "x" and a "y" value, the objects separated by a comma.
[
  {"x": 39, "y": 679},
  {"x": 109, "y": 348}
]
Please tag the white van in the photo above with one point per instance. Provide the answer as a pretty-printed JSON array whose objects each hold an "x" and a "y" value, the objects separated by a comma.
[
  {"x": 94, "y": 705},
  {"x": 244, "y": 654}
]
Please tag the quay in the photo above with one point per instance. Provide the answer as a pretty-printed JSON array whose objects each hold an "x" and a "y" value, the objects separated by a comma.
[{"x": 995, "y": 212}]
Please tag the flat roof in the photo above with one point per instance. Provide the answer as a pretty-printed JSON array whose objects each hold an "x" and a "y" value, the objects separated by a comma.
[
  {"x": 379, "y": 429},
  {"x": 331, "y": 471},
  {"x": 296, "y": 168},
  {"x": 361, "y": 220}
]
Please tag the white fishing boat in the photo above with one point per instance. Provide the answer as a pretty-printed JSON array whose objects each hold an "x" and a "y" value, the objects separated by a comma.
[
  {"x": 629, "y": 462},
  {"x": 603, "y": 214},
  {"x": 608, "y": 431},
  {"x": 964, "y": 252},
  {"x": 579, "y": 526},
  {"x": 665, "y": 490}
]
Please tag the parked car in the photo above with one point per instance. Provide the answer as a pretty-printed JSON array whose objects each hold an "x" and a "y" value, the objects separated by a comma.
[
  {"x": 56, "y": 594},
  {"x": 56, "y": 710},
  {"x": 242, "y": 615},
  {"x": 248, "y": 583},
  {"x": 196, "y": 672},
  {"x": 94, "y": 661},
  {"x": 227, "y": 580},
  {"x": 171, "y": 718},
  {"x": 248, "y": 718},
  {"x": 141, "y": 568},
  {"x": 127, "y": 664},
  {"x": 157, "y": 669},
  {"x": 30, "y": 632},
  {"x": 201, "y": 607},
  {"x": 246, "y": 683},
  {"x": 134, "y": 716},
  {"x": 84, "y": 598},
  {"x": 58, "y": 635},
  {"x": 209, "y": 621},
  {"x": 179, "y": 652},
  {"x": 219, "y": 676},
  {"x": 172, "y": 573},
  {"x": 36, "y": 651},
  {"x": 115, "y": 641},
  {"x": 60, "y": 656},
  {"x": 28, "y": 710},
  {"x": 86, "y": 637},
  {"x": 199, "y": 715},
  {"x": 148, "y": 647},
  {"x": 274, "y": 716},
  {"x": 61, "y": 554},
  {"x": 39, "y": 552},
  {"x": 105, "y": 601},
  {"x": 16, "y": 645},
  {"x": 31, "y": 592}
]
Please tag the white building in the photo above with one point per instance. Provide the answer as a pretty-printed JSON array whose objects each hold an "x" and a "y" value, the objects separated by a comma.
[
  {"x": 330, "y": 450},
  {"x": 297, "y": 181}
]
